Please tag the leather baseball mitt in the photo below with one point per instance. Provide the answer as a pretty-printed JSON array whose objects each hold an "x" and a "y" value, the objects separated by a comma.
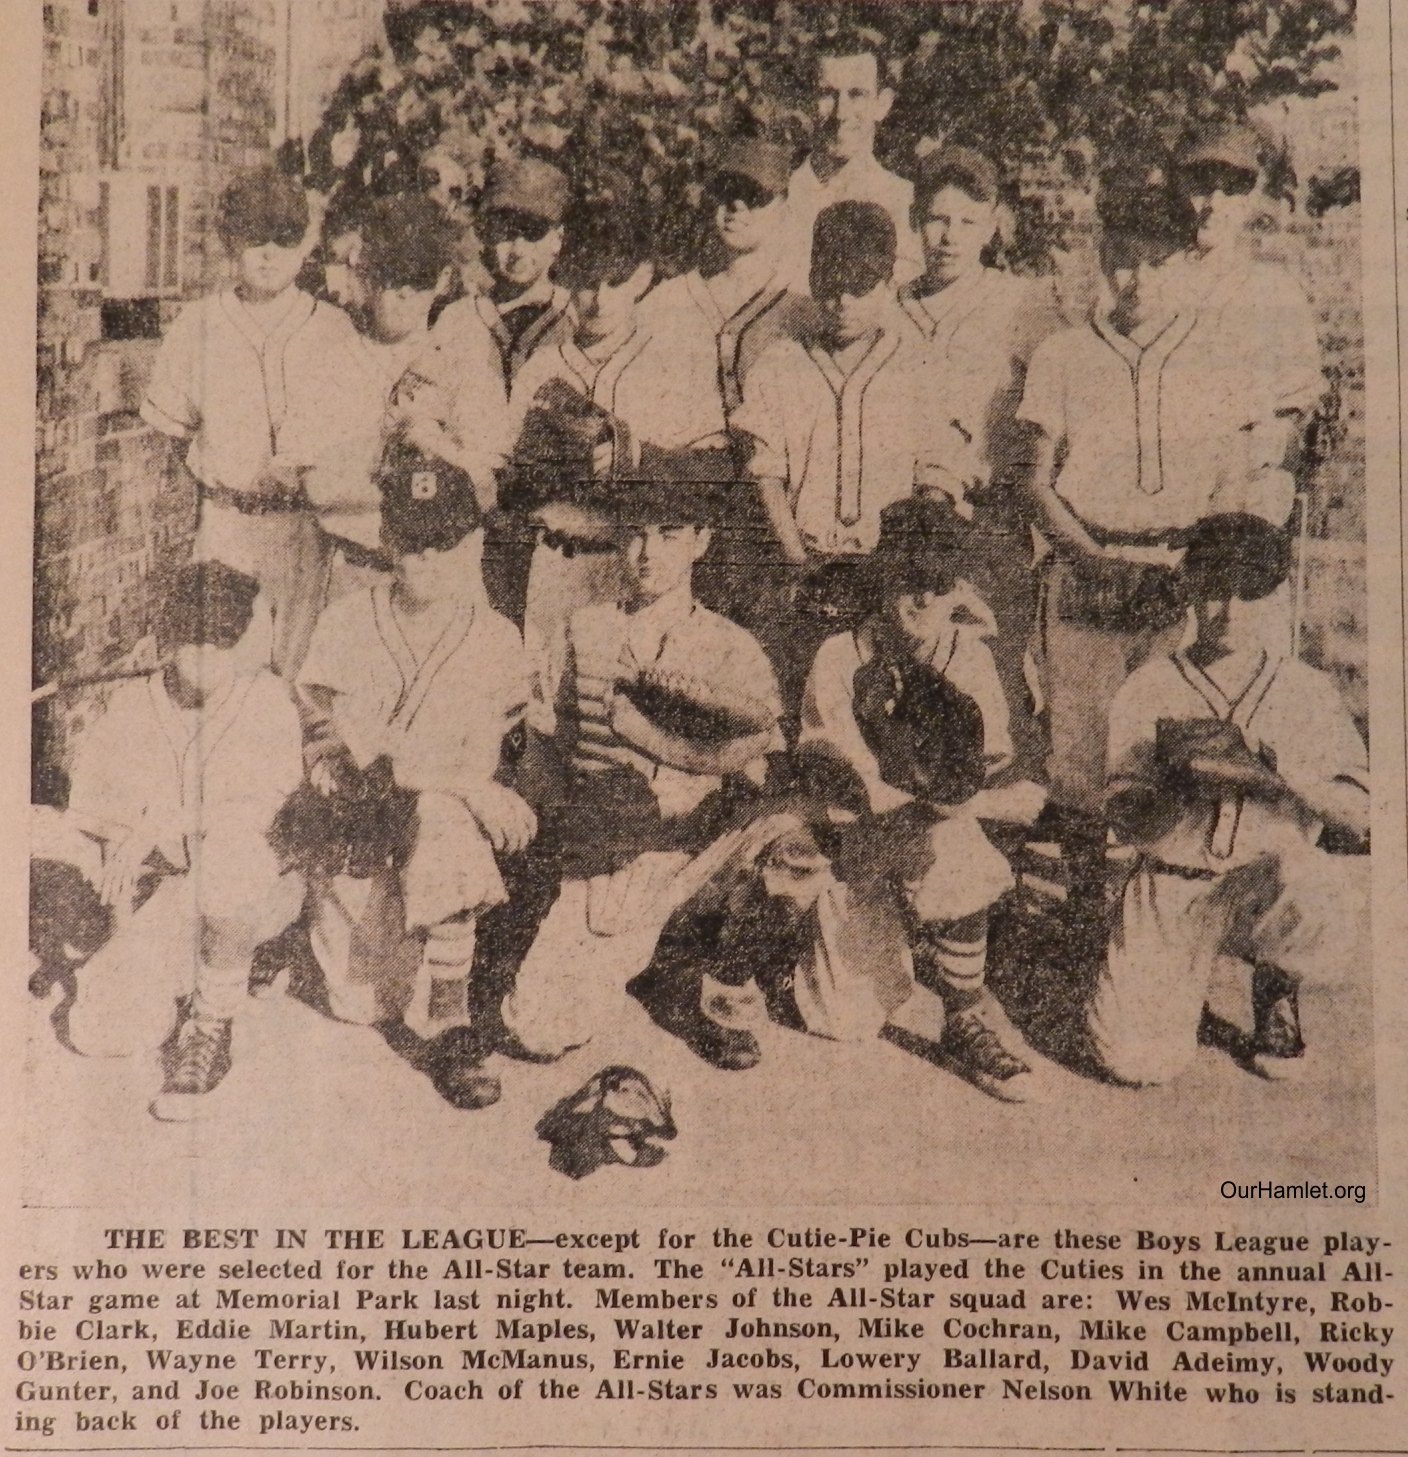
[{"x": 693, "y": 708}]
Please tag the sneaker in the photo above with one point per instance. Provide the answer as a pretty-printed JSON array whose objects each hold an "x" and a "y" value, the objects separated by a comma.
[
  {"x": 196, "y": 1064},
  {"x": 1278, "y": 1049},
  {"x": 982, "y": 1046},
  {"x": 456, "y": 1071}
]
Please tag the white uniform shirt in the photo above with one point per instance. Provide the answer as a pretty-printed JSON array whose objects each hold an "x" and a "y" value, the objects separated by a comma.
[
  {"x": 246, "y": 399},
  {"x": 828, "y": 703},
  {"x": 701, "y": 352},
  {"x": 341, "y": 480},
  {"x": 463, "y": 362},
  {"x": 1156, "y": 437},
  {"x": 611, "y": 376},
  {"x": 204, "y": 785},
  {"x": 1291, "y": 709},
  {"x": 673, "y": 634},
  {"x": 847, "y": 445},
  {"x": 980, "y": 333},
  {"x": 441, "y": 720},
  {"x": 860, "y": 180},
  {"x": 1263, "y": 320}
]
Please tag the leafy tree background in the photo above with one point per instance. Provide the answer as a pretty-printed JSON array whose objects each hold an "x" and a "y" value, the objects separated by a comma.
[{"x": 634, "y": 92}]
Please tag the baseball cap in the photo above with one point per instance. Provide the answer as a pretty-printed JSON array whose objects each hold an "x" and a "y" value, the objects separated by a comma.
[
  {"x": 529, "y": 186},
  {"x": 920, "y": 539},
  {"x": 854, "y": 246},
  {"x": 1140, "y": 202},
  {"x": 207, "y": 602},
  {"x": 426, "y": 503},
  {"x": 1236, "y": 555},
  {"x": 766, "y": 164},
  {"x": 1237, "y": 146},
  {"x": 687, "y": 487},
  {"x": 261, "y": 207}
]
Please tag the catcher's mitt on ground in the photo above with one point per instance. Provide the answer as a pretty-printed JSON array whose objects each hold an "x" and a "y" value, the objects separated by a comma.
[{"x": 691, "y": 708}]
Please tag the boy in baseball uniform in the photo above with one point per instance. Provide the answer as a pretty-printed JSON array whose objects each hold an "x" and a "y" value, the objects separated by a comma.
[
  {"x": 1154, "y": 428},
  {"x": 1227, "y": 760},
  {"x": 911, "y": 702},
  {"x": 182, "y": 777},
  {"x": 411, "y": 688},
  {"x": 255, "y": 379},
  {"x": 404, "y": 261},
  {"x": 981, "y": 325},
  {"x": 646, "y": 816},
  {"x": 838, "y": 427}
]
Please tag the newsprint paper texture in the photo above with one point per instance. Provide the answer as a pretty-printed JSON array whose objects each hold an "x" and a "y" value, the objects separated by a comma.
[{"x": 698, "y": 733}]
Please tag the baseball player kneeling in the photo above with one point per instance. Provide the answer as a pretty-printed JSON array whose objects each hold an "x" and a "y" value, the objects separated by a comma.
[
  {"x": 662, "y": 709},
  {"x": 1227, "y": 762},
  {"x": 912, "y": 703}
]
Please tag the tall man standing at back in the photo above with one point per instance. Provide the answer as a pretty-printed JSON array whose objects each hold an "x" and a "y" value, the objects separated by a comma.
[{"x": 852, "y": 100}]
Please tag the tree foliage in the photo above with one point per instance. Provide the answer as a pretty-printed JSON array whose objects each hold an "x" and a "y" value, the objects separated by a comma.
[{"x": 627, "y": 93}]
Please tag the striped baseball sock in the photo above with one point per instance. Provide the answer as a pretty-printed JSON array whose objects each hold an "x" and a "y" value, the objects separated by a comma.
[{"x": 951, "y": 958}]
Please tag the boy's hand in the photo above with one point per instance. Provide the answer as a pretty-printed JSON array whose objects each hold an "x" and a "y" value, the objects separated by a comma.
[
  {"x": 123, "y": 867},
  {"x": 504, "y": 816}
]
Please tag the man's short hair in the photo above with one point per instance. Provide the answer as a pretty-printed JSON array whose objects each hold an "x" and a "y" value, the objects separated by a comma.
[
  {"x": 603, "y": 242},
  {"x": 265, "y": 206},
  {"x": 407, "y": 242},
  {"x": 1235, "y": 555},
  {"x": 207, "y": 602},
  {"x": 961, "y": 167},
  {"x": 854, "y": 247},
  {"x": 852, "y": 42}
]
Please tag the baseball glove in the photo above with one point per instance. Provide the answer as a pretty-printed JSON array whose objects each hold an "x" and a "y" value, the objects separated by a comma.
[
  {"x": 1214, "y": 752},
  {"x": 926, "y": 735},
  {"x": 694, "y": 709}
]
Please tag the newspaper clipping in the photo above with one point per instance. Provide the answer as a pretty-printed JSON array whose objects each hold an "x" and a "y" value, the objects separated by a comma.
[{"x": 698, "y": 746}]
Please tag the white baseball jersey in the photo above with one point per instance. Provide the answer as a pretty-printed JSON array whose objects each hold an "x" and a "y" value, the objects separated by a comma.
[
  {"x": 246, "y": 399},
  {"x": 1285, "y": 706},
  {"x": 1158, "y": 433},
  {"x": 848, "y": 445},
  {"x": 980, "y": 333}
]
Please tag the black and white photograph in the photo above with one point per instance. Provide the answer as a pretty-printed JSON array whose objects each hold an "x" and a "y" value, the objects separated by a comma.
[{"x": 668, "y": 603}]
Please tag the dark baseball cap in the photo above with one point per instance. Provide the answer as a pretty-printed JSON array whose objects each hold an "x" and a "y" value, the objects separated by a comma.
[
  {"x": 529, "y": 186},
  {"x": 261, "y": 207},
  {"x": 207, "y": 602},
  {"x": 426, "y": 503},
  {"x": 1236, "y": 555}
]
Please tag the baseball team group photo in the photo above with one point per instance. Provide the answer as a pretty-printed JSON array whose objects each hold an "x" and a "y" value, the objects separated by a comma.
[{"x": 703, "y": 586}]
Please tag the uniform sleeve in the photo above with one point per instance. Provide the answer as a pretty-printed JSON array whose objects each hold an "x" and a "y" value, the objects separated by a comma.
[
  {"x": 974, "y": 672},
  {"x": 171, "y": 403},
  {"x": 828, "y": 718},
  {"x": 748, "y": 670},
  {"x": 1134, "y": 717},
  {"x": 1044, "y": 396},
  {"x": 763, "y": 415},
  {"x": 1286, "y": 341},
  {"x": 1319, "y": 745},
  {"x": 105, "y": 780}
]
